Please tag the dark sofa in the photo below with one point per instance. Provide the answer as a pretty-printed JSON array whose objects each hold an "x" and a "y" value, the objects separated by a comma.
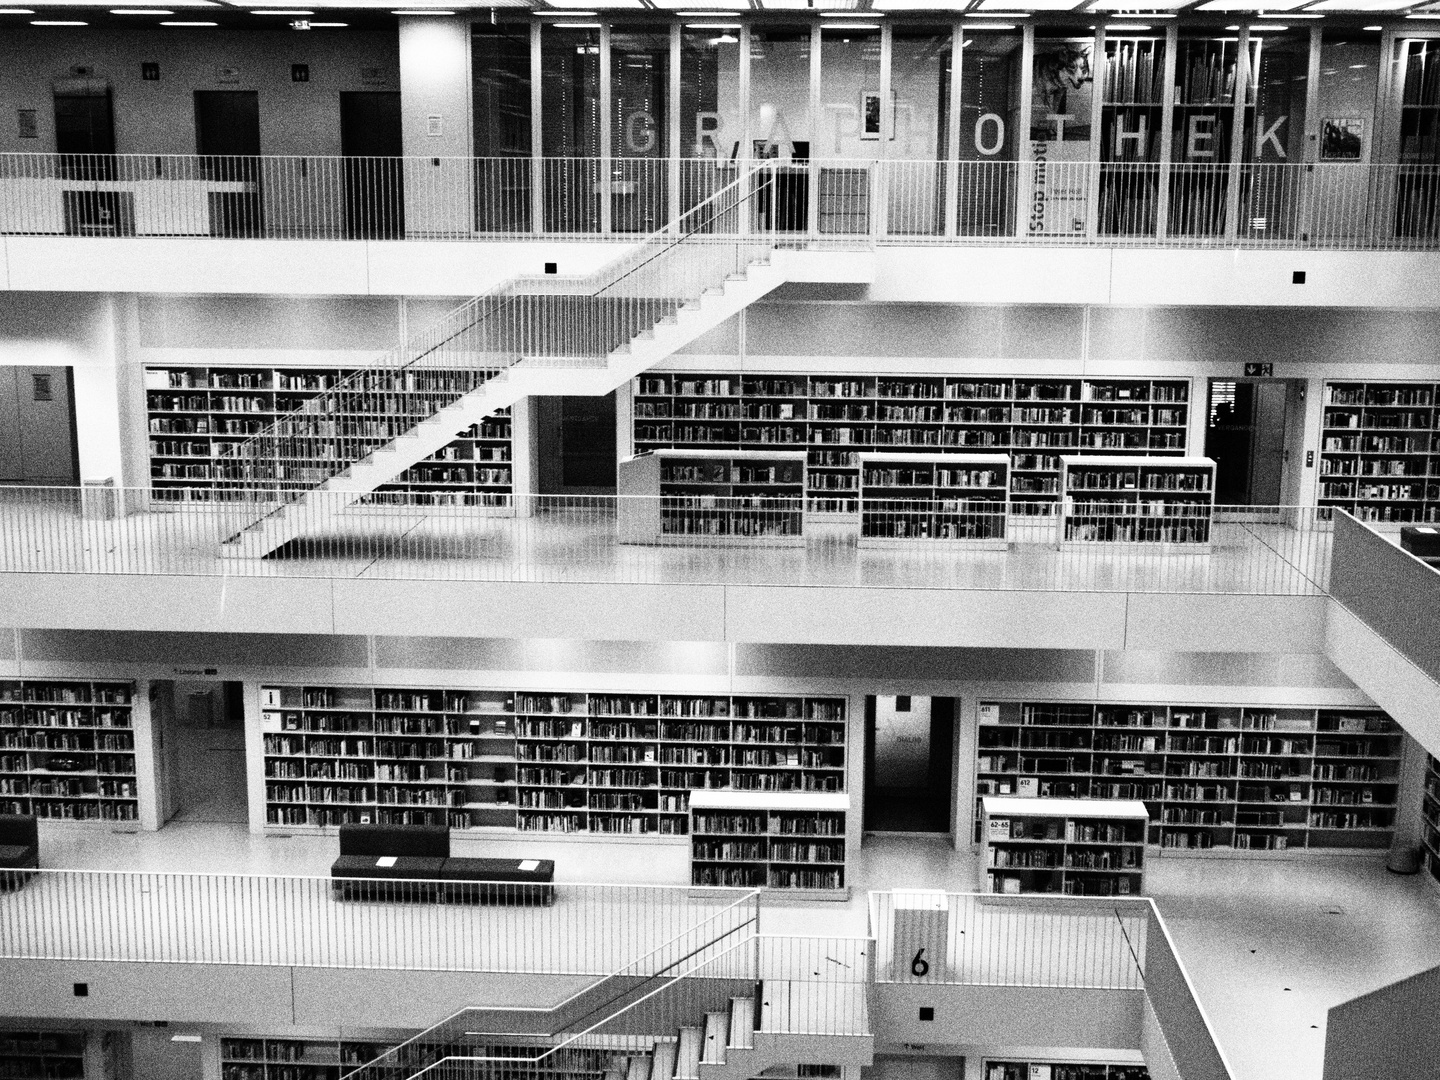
[
  {"x": 413, "y": 862},
  {"x": 19, "y": 849}
]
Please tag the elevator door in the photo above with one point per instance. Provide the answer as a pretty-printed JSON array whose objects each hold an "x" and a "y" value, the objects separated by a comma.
[
  {"x": 37, "y": 426},
  {"x": 370, "y": 142},
  {"x": 227, "y": 136},
  {"x": 1252, "y": 425}
]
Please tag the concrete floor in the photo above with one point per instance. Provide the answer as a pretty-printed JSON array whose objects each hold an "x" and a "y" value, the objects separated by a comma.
[{"x": 1269, "y": 945}]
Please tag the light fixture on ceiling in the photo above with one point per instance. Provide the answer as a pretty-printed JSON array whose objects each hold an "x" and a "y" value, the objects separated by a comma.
[
  {"x": 1126, "y": 26},
  {"x": 712, "y": 26},
  {"x": 851, "y": 14},
  {"x": 1267, "y": 29},
  {"x": 185, "y": 1038},
  {"x": 567, "y": 14},
  {"x": 423, "y": 11},
  {"x": 1288, "y": 15},
  {"x": 989, "y": 26},
  {"x": 997, "y": 14},
  {"x": 283, "y": 11},
  {"x": 141, "y": 11},
  {"x": 57, "y": 22},
  {"x": 576, "y": 25},
  {"x": 16, "y": 11},
  {"x": 328, "y": 25}
]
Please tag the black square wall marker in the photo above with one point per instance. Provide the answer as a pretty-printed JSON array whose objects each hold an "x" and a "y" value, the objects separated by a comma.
[
  {"x": 927, "y": 1012},
  {"x": 1298, "y": 277},
  {"x": 82, "y": 989},
  {"x": 552, "y": 268}
]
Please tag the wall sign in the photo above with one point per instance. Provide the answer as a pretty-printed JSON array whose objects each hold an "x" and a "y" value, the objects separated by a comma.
[
  {"x": 372, "y": 76},
  {"x": 227, "y": 75},
  {"x": 150, "y": 71},
  {"x": 434, "y": 127},
  {"x": 1259, "y": 371},
  {"x": 27, "y": 126},
  {"x": 299, "y": 72}
]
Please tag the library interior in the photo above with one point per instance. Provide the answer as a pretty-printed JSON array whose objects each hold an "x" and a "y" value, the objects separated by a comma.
[{"x": 720, "y": 539}]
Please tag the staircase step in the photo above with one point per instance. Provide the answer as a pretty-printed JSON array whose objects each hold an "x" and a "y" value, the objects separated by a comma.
[
  {"x": 742, "y": 1023},
  {"x": 639, "y": 1068},
  {"x": 687, "y": 1054},
  {"x": 717, "y": 1026},
  {"x": 664, "y": 1053}
]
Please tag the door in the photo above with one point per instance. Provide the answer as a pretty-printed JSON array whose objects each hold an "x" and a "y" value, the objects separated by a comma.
[
  {"x": 37, "y": 427},
  {"x": 1252, "y": 424},
  {"x": 227, "y": 136},
  {"x": 200, "y": 727},
  {"x": 371, "y": 144},
  {"x": 909, "y": 763},
  {"x": 165, "y": 1054},
  {"x": 85, "y": 149},
  {"x": 577, "y": 445}
]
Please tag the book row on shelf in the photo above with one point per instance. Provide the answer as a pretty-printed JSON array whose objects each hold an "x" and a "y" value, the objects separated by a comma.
[
  {"x": 1062, "y": 1070},
  {"x": 1245, "y": 777},
  {"x": 575, "y": 762},
  {"x": 1378, "y": 447},
  {"x": 68, "y": 752}
]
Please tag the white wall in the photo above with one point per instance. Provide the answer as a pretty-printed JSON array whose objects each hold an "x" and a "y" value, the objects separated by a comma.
[{"x": 159, "y": 117}]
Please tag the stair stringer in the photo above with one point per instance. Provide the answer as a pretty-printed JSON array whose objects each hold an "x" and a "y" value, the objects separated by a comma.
[{"x": 323, "y": 504}]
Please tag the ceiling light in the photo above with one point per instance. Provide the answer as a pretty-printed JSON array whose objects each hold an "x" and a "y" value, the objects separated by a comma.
[
  {"x": 919, "y": 5},
  {"x": 173, "y": 23},
  {"x": 849, "y": 14},
  {"x": 576, "y": 25},
  {"x": 997, "y": 14},
  {"x": 282, "y": 11},
  {"x": 1359, "y": 5},
  {"x": 185, "y": 1038},
  {"x": 712, "y": 26},
  {"x": 425, "y": 11},
  {"x": 705, "y": 14},
  {"x": 57, "y": 22},
  {"x": 990, "y": 26},
  {"x": 1267, "y": 29},
  {"x": 1290, "y": 15},
  {"x": 1250, "y": 5},
  {"x": 141, "y": 11},
  {"x": 1126, "y": 26},
  {"x": 567, "y": 5},
  {"x": 1372, "y": 28},
  {"x": 995, "y": 7},
  {"x": 327, "y": 25},
  {"x": 568, "y": 14},
  {"x": 16, "y": 11},
  {"x": 855, "y": 26}
]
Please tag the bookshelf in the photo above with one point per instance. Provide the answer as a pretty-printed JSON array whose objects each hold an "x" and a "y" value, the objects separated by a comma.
[
  {"x": 949, "y": 498},
  {"x": 1122, "y": 500},
  {"x": 1430, "y": 816},
  {"x": 1227, "y": 778},
  {"x": 793, "y": 841},
  {"x": 835, "y": 418},
  {"x": 196, "y": 414},
  {"x": 293, "y": 1059},
  {"x": 1062, "y": 1070},
  {"x": 1380, "y": 451},
  {"x": 67, "y": 750},
  {"x": 498, "y": 761},
  {"x": 1204, "y": 94},
  {"x": 713, "y": 497},
  {"x": 50, "y": 1054},
  {"x": 1080, "y": 847}
]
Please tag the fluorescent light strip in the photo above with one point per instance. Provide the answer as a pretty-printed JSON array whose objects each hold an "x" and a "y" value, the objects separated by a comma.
[
  {"x": 576, "y": 25},
  {"x": 424, "y": 11},
  {"x": 989, "y": 26},
  {"x": 141, "y": 11},
  {"x": 997, "y": 14},
  {"x": 856, "y": 26},
  {"x": 1126, "y": 26},
  {"x": 712, "y": 26},
  {"x": 282, "y": 11},
  {"x": 57, "y": 22},
  {"x": 1290, "y": 15},
  {"x": 851, "y": 14},
  {"x": 327, "y": 25},
  {"x": 163, "y": 23}
]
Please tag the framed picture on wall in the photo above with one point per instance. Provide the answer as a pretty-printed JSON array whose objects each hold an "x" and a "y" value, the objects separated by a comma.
[
  {"x": 870, "y": 114},
  {"x": 1342, "y": 138}
]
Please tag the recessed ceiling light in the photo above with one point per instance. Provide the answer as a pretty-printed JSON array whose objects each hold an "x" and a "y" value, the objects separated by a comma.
[
  {"x": 1126, "y": 26},
  {"x": 426, "y": 11},
  {"x": 990, "y": 26},
  {"x": 997, "y": 14},
  {"x": 141, "y": 11},
  {"x": 576, "y": 25},
  {"x": 184, "y": 1038},
  {"x": 842, "y": 27},
  {"x": 1267, "y": 29},
  {"x": 712, "y": 26},
  {"x": 57, "y": 22},
  {"x": 174, "y": 23},
  {"x": 568, "y": 14},
  {"x": 282, "y": 11},
  {"x": 850, "y": 14},
  {"x": 1289, "y": 15}
]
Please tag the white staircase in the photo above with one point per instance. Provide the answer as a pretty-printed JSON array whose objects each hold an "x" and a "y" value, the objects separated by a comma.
[{"x": 318, "y": 507}]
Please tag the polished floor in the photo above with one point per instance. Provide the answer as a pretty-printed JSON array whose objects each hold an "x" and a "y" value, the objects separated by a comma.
[
  {"x": 1270, "y": 946},
  {"x": 577, "y": 542}
]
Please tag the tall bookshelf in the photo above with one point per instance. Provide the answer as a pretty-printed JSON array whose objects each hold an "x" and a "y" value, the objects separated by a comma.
[
  {"x": 713, "y": 497},
  {"x": 67, "y": 750},
  {"x": 791, "y": 841},
  {"x": 1078, "y": 847},
  {"x": 1062, "y": 1070},
  {"x": 1228, "y": 778},
  {"x": 197, "y": 414},
  {"x": 51, "y": 1054},
  {"x": 293, "y": 1059},
  {"x": 960, "y": 498},
  {"x": 1430, "y": 815},
  {"x": 1126, "y": 500},
  {"x": 1380, "y": 450},
  {"x": 835, "y": 418},
  {"x": 490, "y": 760}
]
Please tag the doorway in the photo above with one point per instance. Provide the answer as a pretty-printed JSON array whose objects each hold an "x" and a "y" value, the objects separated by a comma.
[
  {"x": 37, "y": 427},
  {"x": 909, "y": 763},
  {"x": 200, "y": 729},
  {"x": 577, "y": 445},
  {"x": 1251, "y": 427},
  {"x": 163, "y": 1054},
  {"x": 227, "y": 137},
  {"x": 85, "y": 150},
  {"x": 371, "y": 144}
]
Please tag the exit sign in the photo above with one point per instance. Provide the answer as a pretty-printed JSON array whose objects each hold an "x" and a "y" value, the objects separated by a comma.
[{"x": 1259, "y": 371}]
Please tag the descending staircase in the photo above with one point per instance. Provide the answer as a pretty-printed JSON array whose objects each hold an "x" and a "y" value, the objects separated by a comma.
[{"x": 532, "y": 336}]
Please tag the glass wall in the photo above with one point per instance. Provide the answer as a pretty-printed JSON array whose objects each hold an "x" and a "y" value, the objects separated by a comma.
[
  {"x": 781, "y": 126},
  {"x": 500, "y": 56},
  {"x": 989, "y": 133},
  {"x": 1418, "y": 151},
  {"x": 1346, "y": 126},
  {"x": 639, "y": 128},
  {"x": 709, "y": 111},
  {"x": 920, "y": 63},
  {"x": 851, "y": 125},
  {"x": 1062, "y": 109},
  {"x": 1274, "y": 135},
  {"x": 570, "y": 127},
  {"x": 1203, "y": 118},
  {"x": 1131, "y": 121}
]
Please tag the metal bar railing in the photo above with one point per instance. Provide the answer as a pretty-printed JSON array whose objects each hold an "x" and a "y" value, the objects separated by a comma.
[
  {"x": 627, "y": 539},
  {"x": 816, "y": 985},
  {"x": 1323, "y": 205},
  {"x": 301, "y": 921}
]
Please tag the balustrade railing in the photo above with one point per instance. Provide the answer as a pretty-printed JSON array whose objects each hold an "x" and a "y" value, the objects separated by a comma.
[{"x": 1329, "y": 205}]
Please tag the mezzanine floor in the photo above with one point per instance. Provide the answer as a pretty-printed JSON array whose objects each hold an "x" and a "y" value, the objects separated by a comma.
[
  {"x": 1259, "y": 553},
  {"x": 1270, "y": 944}
]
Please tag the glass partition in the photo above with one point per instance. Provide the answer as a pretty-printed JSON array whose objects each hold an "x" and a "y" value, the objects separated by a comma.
[
  {"x": 1346, "y": 127},
  {"x": 570, "y": 127},
  {"x": 1203, "y": 119},
  {"x": 639, "y": 128},
  {"x": 851, "y": 125},
  {"x": 500, "y": 57},
  {"x": 709, "y": 110},
  {"x": 989, "y": 133},
  {"x": 920, "y": 62},
  {"x": 1061, "y": 118},
  {"x": 780, "y": 122},
  {"x": 1418, "y": 152},
  {"x": 1131, "y": 119},
  {"x": 1274, "y": 134}
]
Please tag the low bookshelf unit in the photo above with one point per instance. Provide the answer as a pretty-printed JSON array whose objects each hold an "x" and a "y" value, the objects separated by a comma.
[
  {"x": 257, "y": 1058},
  {"x": 792, "y": 842},
  {"x": 533, "y": 761},
  {"x": 1080, "y": 847},
  {"x": 1062, "y": 1070},
  {"x": 67, "y": 750},
  {"x": 713, "y": 497},
  {"x": 1235, "y": 778},
  {"x": 1168, "y": 502},
  {"x": 951, "y": 498}
]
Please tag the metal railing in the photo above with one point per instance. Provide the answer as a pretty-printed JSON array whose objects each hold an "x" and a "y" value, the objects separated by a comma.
[
  {"x": 1328, "y": 205},
  {"x": 539, "y": 321},
  {"x": 301, "y": 922},
  {"x": 593, "y": 539},
  {"x": 816, "y": 985}
]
